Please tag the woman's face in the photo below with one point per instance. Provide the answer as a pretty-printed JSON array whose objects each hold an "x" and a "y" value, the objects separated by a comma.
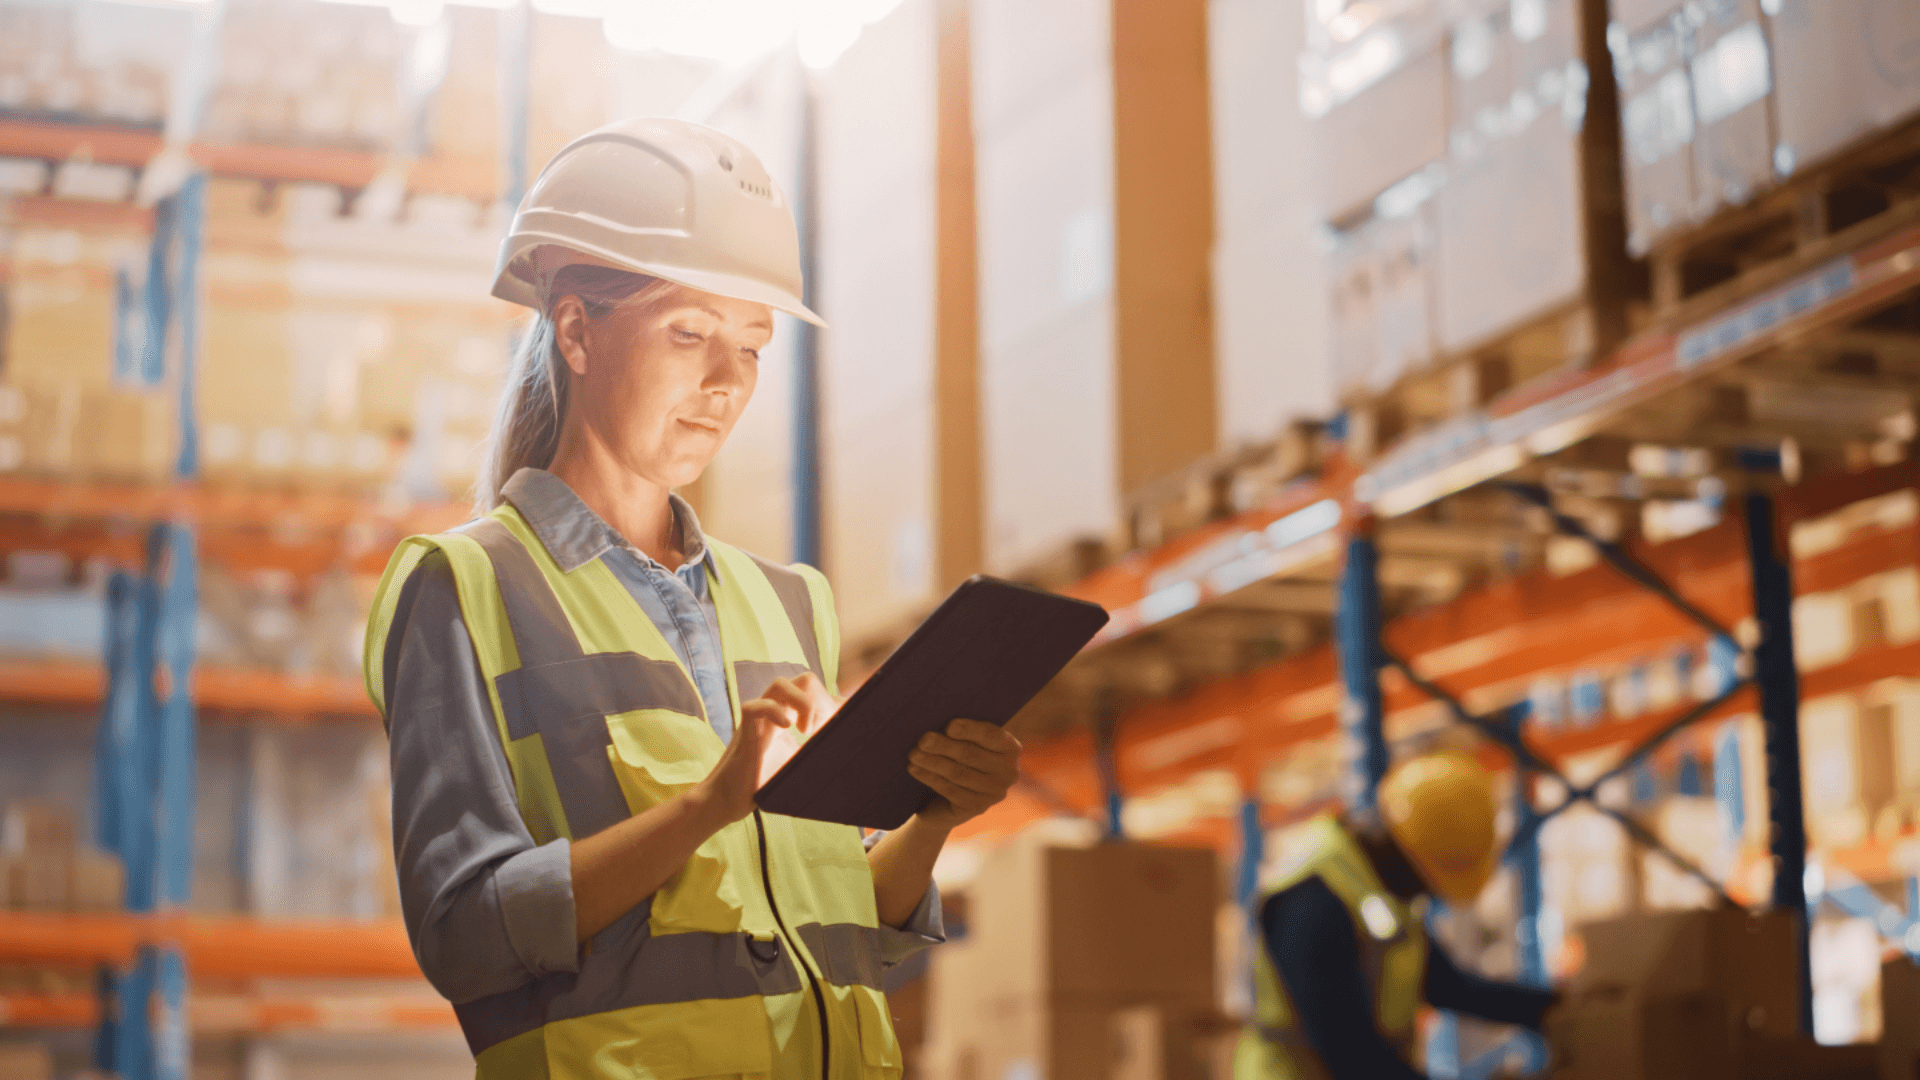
[{"x": 661, "y": 384}]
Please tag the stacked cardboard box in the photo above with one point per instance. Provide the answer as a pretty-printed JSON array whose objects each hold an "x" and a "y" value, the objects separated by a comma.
[
  {"x": 1720, "y": 99},
  {"x": 1469, "y": 156},
  {"x": 1695, "y": 99},
  {"x": 43, "y": 867},
  {"x": 307, "y": 74},
  {"x": 1842, "y": 70},
  {"x": 1079, "y": 961},
  {"x": 1676, "y": 994}
]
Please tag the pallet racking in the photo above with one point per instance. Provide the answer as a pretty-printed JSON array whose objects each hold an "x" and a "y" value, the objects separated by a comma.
[{"x": 1448, "y": 536}]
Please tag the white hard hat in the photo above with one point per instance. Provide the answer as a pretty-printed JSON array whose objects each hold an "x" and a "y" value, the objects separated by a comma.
[{"x": 667, "y": 198}]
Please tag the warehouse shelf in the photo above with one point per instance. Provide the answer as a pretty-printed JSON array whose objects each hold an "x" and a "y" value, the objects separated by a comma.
[
  {"x": 1532, "y": 420},
  {"x": 215, "y": 947},
  {"x": 134, "y": 146},
  {"x": 240, "y": 1014},
  {"x": 239, "y": 529},
  {"x": 226, "y": 690},
  {"x": 213, "y": 507}
]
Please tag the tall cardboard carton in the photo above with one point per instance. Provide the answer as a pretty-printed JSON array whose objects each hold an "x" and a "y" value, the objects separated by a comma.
[
  {"x": 1095, "y": 230},
  {"x": 878, "y": 260}
]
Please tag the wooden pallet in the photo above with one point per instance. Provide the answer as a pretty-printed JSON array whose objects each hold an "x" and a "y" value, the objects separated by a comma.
[
  {"x": 1220, "y": 485},
  {"x": 1879, "y": 179},
  {"x": 1573, "y": 335}
]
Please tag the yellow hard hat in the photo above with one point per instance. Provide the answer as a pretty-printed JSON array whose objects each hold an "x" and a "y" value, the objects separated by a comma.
[{"x": 1440, "y": 809}]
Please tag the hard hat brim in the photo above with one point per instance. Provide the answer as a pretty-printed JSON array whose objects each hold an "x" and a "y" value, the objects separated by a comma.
[{"x": 511, "y": 283}]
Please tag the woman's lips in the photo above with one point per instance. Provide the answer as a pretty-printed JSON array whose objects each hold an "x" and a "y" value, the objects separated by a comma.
[{"x": 707, "y": 426}]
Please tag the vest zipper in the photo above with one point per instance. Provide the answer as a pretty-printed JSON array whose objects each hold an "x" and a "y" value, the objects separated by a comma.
[{"x": 813, "y": 977}]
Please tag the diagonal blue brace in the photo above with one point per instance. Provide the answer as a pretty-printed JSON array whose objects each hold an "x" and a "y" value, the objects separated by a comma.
[{"x": 1617, "y": 557}]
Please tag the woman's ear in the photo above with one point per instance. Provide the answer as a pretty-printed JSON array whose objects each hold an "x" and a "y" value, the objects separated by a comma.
[{"x": 570, "y": 332}]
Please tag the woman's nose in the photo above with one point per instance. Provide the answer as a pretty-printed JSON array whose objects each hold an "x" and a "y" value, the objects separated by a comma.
[{"x": 726, "y": 369}]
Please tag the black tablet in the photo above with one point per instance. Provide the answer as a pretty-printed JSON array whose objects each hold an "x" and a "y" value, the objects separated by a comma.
[{"x": 983, "y": 654}]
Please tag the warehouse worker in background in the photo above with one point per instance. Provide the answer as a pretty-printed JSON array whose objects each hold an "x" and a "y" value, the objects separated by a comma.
[
  {"x": 1347, "y": 962},
  {"x": 583, "y": 691}
]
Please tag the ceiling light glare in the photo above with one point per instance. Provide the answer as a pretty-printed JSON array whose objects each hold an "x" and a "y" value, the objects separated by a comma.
[{"x": 730, "y": 31}]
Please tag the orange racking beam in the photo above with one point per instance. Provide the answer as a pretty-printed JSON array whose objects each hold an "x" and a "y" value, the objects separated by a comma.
[
  {"x": 216, "y": 690},
  {"x": 244, "y": 1014},
  {"x": 214, "y": 947},
  {"x": 469, "y": 176}
]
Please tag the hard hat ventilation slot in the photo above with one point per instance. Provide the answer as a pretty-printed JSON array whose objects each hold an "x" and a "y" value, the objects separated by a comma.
[{"x": 756, "y": 189}]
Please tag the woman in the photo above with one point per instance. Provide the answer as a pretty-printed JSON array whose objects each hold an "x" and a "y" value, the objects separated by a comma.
[{"x": 582, "y": 689}]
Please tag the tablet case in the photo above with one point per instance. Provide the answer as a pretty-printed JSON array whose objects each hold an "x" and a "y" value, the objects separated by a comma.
[{"x": 982, "y": 655}]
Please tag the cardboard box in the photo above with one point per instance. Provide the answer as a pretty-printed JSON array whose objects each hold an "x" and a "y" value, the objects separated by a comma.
[
  {"x": 99, "y": 881},
  {"x": 1847, "y": 762},
  {"x": 25, "y": 1061},
  {"x": 1842, "y": 69},
  {"x": 1381, "y": 301},
  {"x": 39, "y": 880},
  {"x": 1528, "y": 221},
  {"x": 1095, "y": 229},
  {"x": 1045, "y": 920},
  {"x": 1731, "y": 72},
  {"x": 1351, "y": 285},
  {"x": 1071, "y": 1040},
  {"x": 1656, "y": 121},
  {"x": 1677, "y": 994},
  {"x": 1512, "y": 245},
  {"x": 1403, "y": 251},
  {"x": 1386, "y": 132},
  {"x": 35, "y": 825},
  {"x": 1899, "y": 1019}
]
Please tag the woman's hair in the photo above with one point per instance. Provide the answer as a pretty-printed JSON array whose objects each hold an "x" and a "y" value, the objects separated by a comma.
[{"x": 526, "y": 429}]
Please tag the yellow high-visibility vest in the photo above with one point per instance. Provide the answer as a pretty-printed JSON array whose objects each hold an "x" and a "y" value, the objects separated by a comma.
[
  {"x": 1393, "y": 955},
  {"x": 761, "y": 955}
]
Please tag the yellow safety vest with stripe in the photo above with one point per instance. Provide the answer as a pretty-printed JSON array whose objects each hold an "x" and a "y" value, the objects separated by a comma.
[
  {"x": 761, "y": 956},
  {"x": 1393, "y": 955}
]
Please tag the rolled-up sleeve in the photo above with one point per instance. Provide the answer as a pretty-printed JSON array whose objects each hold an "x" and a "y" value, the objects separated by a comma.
[
  {"x": 486, "y": 908},
  {"x": 925, "y": 927}
]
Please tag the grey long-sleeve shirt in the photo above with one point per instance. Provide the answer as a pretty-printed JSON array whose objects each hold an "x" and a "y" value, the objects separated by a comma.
[{"x": 486, "y": 908}]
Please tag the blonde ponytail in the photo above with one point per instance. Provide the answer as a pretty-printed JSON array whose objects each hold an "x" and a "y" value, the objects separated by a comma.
[{"x": 533, "y": 403}]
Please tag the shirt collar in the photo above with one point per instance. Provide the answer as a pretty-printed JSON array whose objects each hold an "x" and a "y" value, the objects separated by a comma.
[{"x": 574, "y": 535}]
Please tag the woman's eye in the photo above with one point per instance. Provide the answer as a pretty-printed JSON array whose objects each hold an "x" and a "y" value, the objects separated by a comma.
[
  {"x": 752, "y": 354},
  {"x": 686, "y": 336}
]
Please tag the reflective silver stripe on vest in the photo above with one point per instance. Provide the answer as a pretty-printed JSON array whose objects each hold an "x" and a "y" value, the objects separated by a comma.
[
  {"x": 630, "y": 967},
  {"x": 849, "y": 954},
  {"x": 563, "y": 693},
  {"x": 754, "y": 676},
  {"x": 792, "y": 590}
]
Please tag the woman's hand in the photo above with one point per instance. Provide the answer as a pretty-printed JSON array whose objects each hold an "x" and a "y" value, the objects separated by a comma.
[
  {"x": 970, "y": 768},
  {"x": 763, "y": 741}
]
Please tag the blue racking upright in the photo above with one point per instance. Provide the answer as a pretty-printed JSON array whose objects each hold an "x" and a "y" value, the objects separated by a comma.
[{"x": 145, "y": 745}]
